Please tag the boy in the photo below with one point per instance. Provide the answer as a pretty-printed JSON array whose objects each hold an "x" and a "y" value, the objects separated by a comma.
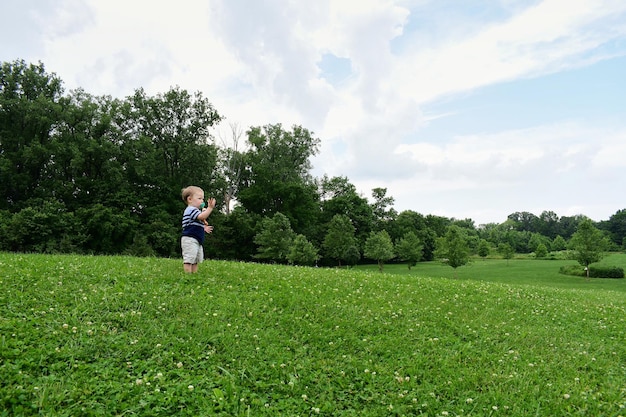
[{"x": 194, "y": 227}]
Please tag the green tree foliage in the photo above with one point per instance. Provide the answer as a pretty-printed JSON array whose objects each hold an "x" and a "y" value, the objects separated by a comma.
[
  {"x": 548, "y": 224},
  {"x": 340, "y": 243},
  {"x": 114, "y": 166},
  {"x": 537, "y": 239},
  {"x": 233, "y": 235},
  {"x": 46, "y": 228},
  {"x": 409, "y": 249},
  {"x": 506, "y": 250},
  {"x": 379, "y": 247},
  {"x": 588, "y": 243},
  {"x": 94, "y": 174},
  {"x": 616, "y": 226},
  {"x": 274, "y": 239},
  {"x": 382, "y": 208},
  {"x": 167, "y": 145},
  {"x": 452, "y": 248},
  {"x": 483, "y": 248},
  {"x": 558, "y": 243},
  {"x": 541, "y": 251},
  {"x": 30, "y": 109},
  {"x": 524, "y": 221},
  {"x": 86, "y": 162},
  {"x": 302, "y": 252},
  {"x": 277, "y": 177},
  {"x": 339, "y": 196}
]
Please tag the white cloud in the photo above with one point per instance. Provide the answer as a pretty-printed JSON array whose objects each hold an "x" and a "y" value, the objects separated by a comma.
[
  {"x": 258, "y": 63},
  {"x": 544, "y": 38}
]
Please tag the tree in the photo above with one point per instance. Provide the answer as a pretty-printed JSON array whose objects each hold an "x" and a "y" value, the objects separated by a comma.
[
  {"x": 277, "y": 177},
  {"x": 588, "y": 244},
  {"x": 483, "y": 248},
  {"x": 506, "y": 250},
  {"x": 302, "y": 252},
  {"x": 177, "y": 124},
  {"x": 409, "y": 249},
  {"x": 233, "y": 235},
  {"x": 379, "y": 247},
  {"x": 616, "y": 225},
  {"x": 549, "y": 224},
  {"x": 541, "y": 251},
  {"x": 452, "y": 248},
  {"x": 537, "y": 239},
  {"x": 274, "y": 239},
  {"x": 559, "y": 243},
  {"x": 30, "y": 109},
  {"x": 524, "y": 221},
  {"x": 339, "y": 196},
  {"x": 339, "y": 242},
  {"x": 231, "y": 163},
  {"x": 382, "y": 214}
]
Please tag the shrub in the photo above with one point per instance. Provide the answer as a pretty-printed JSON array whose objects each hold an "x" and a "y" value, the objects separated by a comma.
[
  {"x": 594, "y": 271},
  {"x": 606, "y": 272}
]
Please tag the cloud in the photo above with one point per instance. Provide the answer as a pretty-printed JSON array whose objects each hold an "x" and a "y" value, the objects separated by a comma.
[
  {"x": 404, "y": 64},
  {"x": 549, "y": 36}
]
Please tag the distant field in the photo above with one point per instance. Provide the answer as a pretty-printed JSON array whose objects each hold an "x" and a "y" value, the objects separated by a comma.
[
  {"x": 123, "y": 336},
  {"x": 514, "y": 271}
]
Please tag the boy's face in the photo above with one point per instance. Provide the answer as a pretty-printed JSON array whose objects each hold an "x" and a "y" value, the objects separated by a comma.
[{"x": 196, "y": 199}]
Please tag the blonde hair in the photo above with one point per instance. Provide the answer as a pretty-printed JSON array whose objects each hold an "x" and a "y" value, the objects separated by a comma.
[{"x": 189, "y": 191}]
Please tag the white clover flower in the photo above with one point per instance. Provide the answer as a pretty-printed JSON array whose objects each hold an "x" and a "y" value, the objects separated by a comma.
[
  {"x": 469, "y": 400},
  {"x": 566, "y": 396},
  {"x": 190, "y": 387},
  {"x": 179, "y": 365}
]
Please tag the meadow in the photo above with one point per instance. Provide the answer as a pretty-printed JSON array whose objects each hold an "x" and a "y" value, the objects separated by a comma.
[
  {"x": 522, "y": 269},
  {"x": 107, "y": 336}
]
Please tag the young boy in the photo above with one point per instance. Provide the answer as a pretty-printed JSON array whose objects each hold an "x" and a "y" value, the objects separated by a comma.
[{"x": 194, "y": 227}]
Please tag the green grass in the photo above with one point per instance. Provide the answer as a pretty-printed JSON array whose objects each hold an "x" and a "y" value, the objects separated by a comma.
[
  {"x": 515, "y": 271},
  {"x": 133, "y": 336}
]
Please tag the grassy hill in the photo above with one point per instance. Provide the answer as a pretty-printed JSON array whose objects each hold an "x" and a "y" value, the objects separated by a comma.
[{"x": 134, "y": 336}]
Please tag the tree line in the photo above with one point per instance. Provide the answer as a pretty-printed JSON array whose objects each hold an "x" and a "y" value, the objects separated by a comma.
[{"x": 100, "y": 175}]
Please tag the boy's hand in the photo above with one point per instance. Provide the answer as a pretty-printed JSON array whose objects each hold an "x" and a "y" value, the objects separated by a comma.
[
  {"x": 211, "y": 203},
  {"x": 207, "y": 228}
]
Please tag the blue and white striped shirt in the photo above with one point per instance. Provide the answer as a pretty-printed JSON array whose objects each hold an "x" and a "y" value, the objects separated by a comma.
[{"x": 191, "y": 225}]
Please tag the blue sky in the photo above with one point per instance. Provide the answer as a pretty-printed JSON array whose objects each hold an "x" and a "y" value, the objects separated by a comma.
[{"x": 460, "y": 109}]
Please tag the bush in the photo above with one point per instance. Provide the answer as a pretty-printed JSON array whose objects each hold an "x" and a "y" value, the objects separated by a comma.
[
  {"x": 594, "y": 271},
  {"x": 606, "y": 272}
]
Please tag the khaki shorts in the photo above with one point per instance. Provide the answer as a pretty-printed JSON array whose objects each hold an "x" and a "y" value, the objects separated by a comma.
[{"x": 193, "y": 253}]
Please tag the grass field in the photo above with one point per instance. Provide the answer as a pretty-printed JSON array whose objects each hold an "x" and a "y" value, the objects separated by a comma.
[
  {"x": 135, "y": 336},
  {"x": 514, "y": 271}
]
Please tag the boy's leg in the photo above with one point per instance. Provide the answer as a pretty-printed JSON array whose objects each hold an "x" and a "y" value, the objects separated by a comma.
[{"x": 189, "y": 248}]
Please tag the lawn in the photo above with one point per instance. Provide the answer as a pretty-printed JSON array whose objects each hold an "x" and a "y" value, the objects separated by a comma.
[
  {"x": 108, "y": 336},
  {"x": 519, "y": 270}
]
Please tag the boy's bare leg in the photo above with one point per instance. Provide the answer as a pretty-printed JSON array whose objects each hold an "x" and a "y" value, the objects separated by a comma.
[{"x": 188, "y": 267}]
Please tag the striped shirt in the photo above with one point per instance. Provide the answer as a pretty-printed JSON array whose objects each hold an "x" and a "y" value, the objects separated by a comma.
[{"x": 191, "y": 225}]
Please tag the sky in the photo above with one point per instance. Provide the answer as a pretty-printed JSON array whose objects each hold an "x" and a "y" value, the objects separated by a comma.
[{"x": 463, "y": 109}]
